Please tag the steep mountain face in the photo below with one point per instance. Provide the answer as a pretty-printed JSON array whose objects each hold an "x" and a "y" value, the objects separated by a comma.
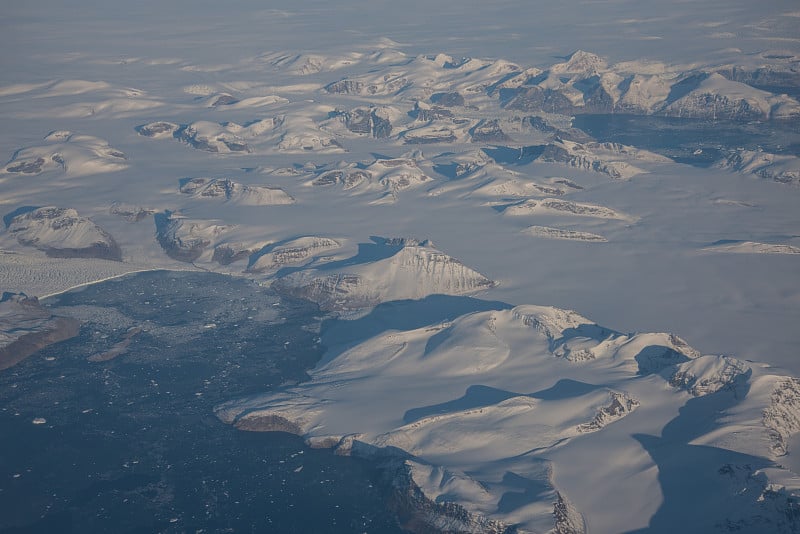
[
  {"x": 782, "y": 416},
  {"x": 293, "y": 252},
  {"x": 373, "y": 121},
  {"x": 283, "y": 133},
  {"x": 228, "y": 253},
  {"x": 384, "y": 85},
  {"x": 715, "y": 97},
  {"x": 213, "y": 137},
  {"x": 62, "y": 233},
  {"x": 408, "y": 271},
  {"x": 782, "y": 70},
  {"x": 612, "y": 159},
  {"x": 709, "y": 374},
  {"x": 158, "y": 129},
  {"x": 348, "y": 178},
  {"x": 587, "y": 84},
  {"x": 185, "y": 239},
  {"x": 781, "y": 168}
]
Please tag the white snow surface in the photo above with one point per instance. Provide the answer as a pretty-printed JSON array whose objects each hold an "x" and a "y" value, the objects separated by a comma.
[
  {"x": 503, "y": 407},
  {"x": 412, "y": 271},
  {"x": 497, "y": 394}
]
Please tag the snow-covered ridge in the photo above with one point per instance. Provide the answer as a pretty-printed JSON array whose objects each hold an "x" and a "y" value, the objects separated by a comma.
[
  {"x": 608, "y": 158},
  {"x": 62, "y": 233},
  {"x": 227, "y": 189},
  {"x": 563, "y": 207},
  {"x": 70, "y": 153},
  {"x": 714, "y": 97},
  {"x": 781, "y": 168},
  {"x": 490, "y": 394},
  {"x": 407, "y": 271},
  {"x": 387, "y": 177},
  {"x": 548, "y": 232},
  {"x": 186, "y": 239},
  {"x": 752, "y": 247},
  {"x": 283, "y": 133},
  {"x": 708, "y": 374},
  {"x": 585, "y": 83},
  {"x": 295, "y": 251}
]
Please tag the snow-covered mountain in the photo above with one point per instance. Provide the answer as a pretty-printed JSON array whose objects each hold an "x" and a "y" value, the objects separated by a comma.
[
  {"x": 226, "y": 189},
  {"x": 62, "y": 233},
  {"x": 492, "y": 415},
  {"x": 585, "y": 83},
  {"x": 387, "y": 177},
  {"x": 282, "y": 133},
  {"x": 563, "y": 207},
  {"x": 608, "y": 158},
  {"x": 406, "y": 269},
  {"x": 781, "y": 168},
  {"x": 186, "y": 239},
  {"x": 295, "y": 251},
  {"x": 479, "y": 400},
  {"x": 68, "y": 153}
]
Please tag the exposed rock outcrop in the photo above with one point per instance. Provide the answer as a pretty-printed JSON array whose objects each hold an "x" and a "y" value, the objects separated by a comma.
[{"x": 27, "y": 327}]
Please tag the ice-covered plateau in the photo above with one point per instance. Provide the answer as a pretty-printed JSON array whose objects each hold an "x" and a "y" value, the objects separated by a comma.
[{"x": 487, "y": 406}]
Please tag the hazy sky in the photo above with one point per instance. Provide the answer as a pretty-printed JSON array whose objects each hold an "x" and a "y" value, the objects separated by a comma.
[{"x": 528, "y": 32}]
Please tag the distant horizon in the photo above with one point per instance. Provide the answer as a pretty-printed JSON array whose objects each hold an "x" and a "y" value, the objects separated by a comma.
[{"x": 524, "y": 32}]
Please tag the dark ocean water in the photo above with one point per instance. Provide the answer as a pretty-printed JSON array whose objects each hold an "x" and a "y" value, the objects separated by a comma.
[{"x": 131, "y": 444}]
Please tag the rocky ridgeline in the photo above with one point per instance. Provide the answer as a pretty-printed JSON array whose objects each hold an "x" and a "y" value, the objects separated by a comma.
[
  {"x": 585, "y": 83},
  {"x": 295, "y": 251},
  {"x": 226, "y": 189}
]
